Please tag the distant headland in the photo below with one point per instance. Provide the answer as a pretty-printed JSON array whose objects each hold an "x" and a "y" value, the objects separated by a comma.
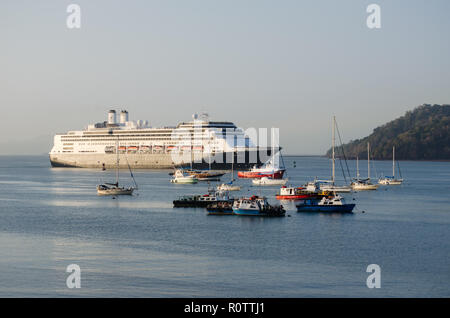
[{"x": 421, "y": 134}]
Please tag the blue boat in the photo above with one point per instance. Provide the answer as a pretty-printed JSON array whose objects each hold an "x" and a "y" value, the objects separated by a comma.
[
  {"x": 334, "y": 203},
  {"x": 256, "y": 206}
]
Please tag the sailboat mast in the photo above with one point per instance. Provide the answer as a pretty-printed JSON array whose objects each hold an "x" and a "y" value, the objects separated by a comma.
[
  {"x": 357, "y": 168},
  {"x": 232, "y": 166},
  {"x": 117, "y": 160},
  {"x": 368, "y": 161},
  {"x": 393, "y": 162},
  {"x": 333, "y": 141}
]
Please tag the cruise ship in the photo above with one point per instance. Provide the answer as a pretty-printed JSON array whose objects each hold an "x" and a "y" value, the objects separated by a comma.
[{"x": 199, "y": 143}]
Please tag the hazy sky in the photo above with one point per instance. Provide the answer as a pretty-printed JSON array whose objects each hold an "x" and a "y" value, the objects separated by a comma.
[{"x": 287, "y": 64}]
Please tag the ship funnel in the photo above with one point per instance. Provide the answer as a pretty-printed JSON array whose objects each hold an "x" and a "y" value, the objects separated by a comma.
[
  {"x": 123, "y": 116},
  {"x": 112, "y": 117}
]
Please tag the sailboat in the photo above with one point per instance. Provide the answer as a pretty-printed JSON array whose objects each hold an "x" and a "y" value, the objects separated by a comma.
[
  {"x": 390, "y": 180},
  {"x": 329, "y": 185},
  {"x": 364, "y": 184},
  {"x": 205, "y": 175},
  {"x": 229, "y": 186},
  {"x": 114, "y": 188}
]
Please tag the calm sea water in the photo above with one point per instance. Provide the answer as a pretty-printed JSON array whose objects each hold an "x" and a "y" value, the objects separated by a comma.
[{"x": 141, "y": 247}]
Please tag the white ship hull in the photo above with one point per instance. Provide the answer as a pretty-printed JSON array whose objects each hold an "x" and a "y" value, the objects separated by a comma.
[{"x": 139, "y": 161}]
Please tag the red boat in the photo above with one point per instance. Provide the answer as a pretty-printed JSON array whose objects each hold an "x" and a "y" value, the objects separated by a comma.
[
  {"x": 268, "y": 170},
  {"x": 274, "y": 174},
  {"x": 296, "y": 194}
]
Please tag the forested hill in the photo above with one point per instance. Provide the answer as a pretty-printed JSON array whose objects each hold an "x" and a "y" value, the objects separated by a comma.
[{"x": 421, "y": 134}]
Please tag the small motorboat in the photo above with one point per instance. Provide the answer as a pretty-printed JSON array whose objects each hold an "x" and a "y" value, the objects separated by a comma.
[
  {"x": 257, "y": 206},
  {"x": 202, "y": 201},
  {"x": 390, "y": 181},
  {"x": 265, "y": 181},
  {"x": 181, "y": 177},
  {"x": 228, "y": 187},
  {"x": 332, "y": 203},
  {"x": 220, "y": 208},
  {"x": 297, "y": 193}
]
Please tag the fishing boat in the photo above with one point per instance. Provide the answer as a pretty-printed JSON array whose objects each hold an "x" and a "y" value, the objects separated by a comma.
[
  {"x": 220, "y": 208},
  {"x": 391, "y": 180},
  {"x": 257, "y": 206},
  {"x": 264, "y": 171},
  {"x": 363, "y": 184},
  {"x": 265, "y": 181},
  {"x": 330, "y": 185},
  {"x": 202, "y": 201},
  {"x": 270, "y": 169},
  {"x": 114, "y": 188},
  {"x": 331, "y": 203},
  {"x": 181, "y": 177}
]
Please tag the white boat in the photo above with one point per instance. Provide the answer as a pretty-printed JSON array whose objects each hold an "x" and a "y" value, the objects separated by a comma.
[
  {"x": 326, "y": 185},
  {"x": 363, "y": 184},
  {"x": 391, "y": 180},
  {"x": 180, "y": 177},
  {"x": 265, "y": 181},
  {"x": 330, "y": 185},
  {"x": 228, "y": 187},
  {"x": 257, "y": 206},
  {"x": 114, "y": 188}
]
